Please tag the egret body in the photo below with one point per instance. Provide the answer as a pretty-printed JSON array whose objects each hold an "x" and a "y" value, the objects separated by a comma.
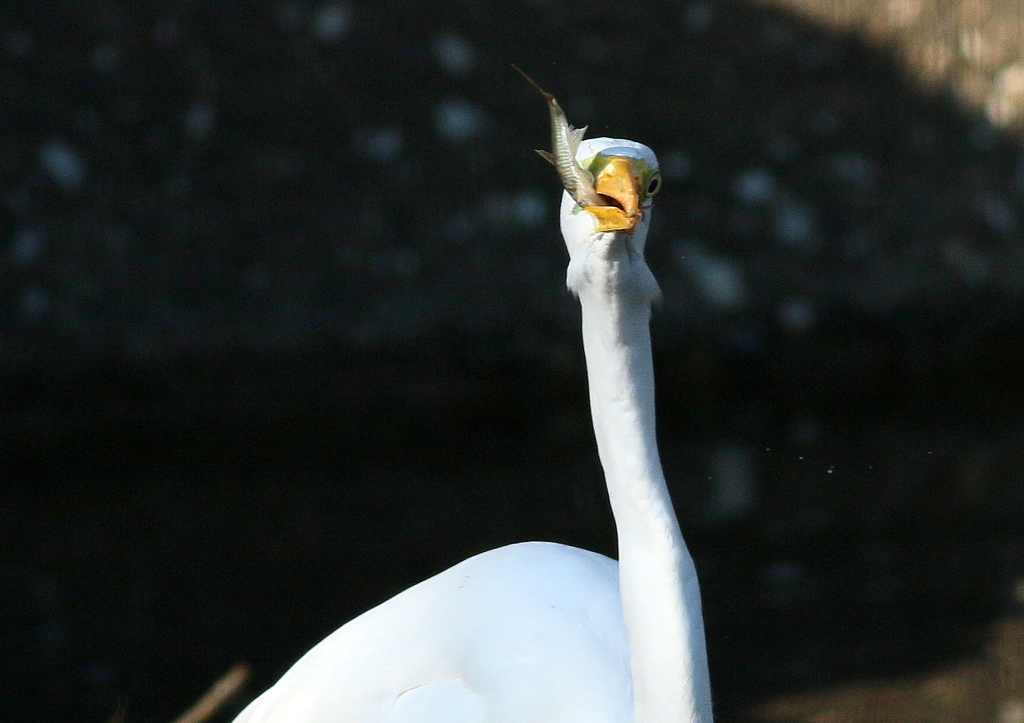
[{"x": 539, "y": 632}]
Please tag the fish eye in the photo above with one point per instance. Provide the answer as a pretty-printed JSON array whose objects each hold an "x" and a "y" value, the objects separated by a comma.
[{"x": 654, "y": 185}]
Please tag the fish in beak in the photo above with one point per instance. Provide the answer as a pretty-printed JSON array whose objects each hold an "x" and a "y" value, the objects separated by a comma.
[{"x": 613, "y": 189}]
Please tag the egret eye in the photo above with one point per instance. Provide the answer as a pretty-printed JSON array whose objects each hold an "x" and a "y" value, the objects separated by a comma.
[{"x": 654, "y": 185}]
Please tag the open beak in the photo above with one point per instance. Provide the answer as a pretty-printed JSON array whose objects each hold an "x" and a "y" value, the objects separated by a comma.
[{"x": 619, "y": 182}]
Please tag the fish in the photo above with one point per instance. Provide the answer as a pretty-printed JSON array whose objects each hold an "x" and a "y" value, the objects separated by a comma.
[{"x": 565, "y": 140}]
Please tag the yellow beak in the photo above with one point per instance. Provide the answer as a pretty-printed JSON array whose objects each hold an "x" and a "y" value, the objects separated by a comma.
[{"x": 619, "y": 180}]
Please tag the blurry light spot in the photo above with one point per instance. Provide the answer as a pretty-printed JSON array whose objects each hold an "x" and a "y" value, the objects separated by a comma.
[
  {"x": 1011, "y": 711},
  {"x": 523, "y": 208},
  {"x": 199, "y": 120},
  {"x": 902, "y": 13},
  {"x": 1018, "y": 591},
  {"x": 698, "y": 16},
  {"x": 332, "y": 22},
  {"x": 718, "y": 279},
  {"x": 853, "y": 168},
  {"x": 529, "y": 208},
  {"x": 797, "y": 315},
  {"x": 936, "y": 58},
  {"x": 382, "y": 144},
  {"x": 454, "y": 54},
  {"x": 27, "y": 245},
  {"x": 63, "y": 164},
  {"x": 458, "y": 120},
  {"x": 755, "y": 185},
  {"x": 1005, "y": 104},
  {"x": 971, "y": 265},
  {"x": 795, "y": 225},
  {"x": 733, "y": 482},
  {"x": 998, "y": 214},
  {"x": 105, "y": 58},
  {"x": 676, "y": 165},
  {"x": 33, "y": 303},
  {"x": 977, "y": 47}
]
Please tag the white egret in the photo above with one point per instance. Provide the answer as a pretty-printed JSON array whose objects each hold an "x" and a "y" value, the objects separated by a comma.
[{"x": 540, "y": 632}]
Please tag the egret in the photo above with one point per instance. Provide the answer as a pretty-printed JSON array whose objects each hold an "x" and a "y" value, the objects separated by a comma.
[{"x": 539, "y": 632}]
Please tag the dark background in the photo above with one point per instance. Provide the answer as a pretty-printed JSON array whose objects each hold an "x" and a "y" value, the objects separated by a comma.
[{"x": 283, "y": 330}]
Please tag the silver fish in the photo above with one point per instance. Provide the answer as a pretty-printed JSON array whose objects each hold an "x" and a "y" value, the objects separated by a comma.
[{"x": 565, "y": 140}]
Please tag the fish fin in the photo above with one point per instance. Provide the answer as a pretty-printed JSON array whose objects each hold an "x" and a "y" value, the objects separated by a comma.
[
  {"x": 548, "y": 157},
  {"x": 575, "y": 136}
]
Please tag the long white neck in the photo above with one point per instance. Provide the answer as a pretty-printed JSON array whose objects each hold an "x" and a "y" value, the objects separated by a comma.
[{"x": 657, "y": 580}]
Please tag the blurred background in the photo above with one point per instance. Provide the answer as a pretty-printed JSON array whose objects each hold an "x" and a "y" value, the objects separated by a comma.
[{"x": 283, "y": 330}]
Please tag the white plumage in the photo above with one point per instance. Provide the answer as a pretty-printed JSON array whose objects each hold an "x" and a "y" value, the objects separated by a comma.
[
  {"x": 439, "y": 652},
  {"x": 539, "y": 632}
]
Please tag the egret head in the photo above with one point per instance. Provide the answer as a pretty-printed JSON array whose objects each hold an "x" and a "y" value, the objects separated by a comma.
[
  {"x": 626, "y": 177},
  {"x": 611, "y": 180}
]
